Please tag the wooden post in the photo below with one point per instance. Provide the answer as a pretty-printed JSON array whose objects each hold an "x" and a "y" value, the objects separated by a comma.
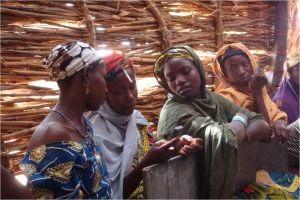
[
  {"x": 166, "y": 34},
  {"x": 219, "y": 25},
  {"x": 281, "y": 31},
  {"x": 89, "y": 25}
]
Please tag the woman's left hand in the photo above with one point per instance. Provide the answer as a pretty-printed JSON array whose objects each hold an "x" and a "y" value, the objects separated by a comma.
[{"x": 280, "y": 131}]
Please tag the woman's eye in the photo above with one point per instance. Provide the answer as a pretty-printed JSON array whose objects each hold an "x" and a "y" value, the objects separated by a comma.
[
  {"x": 246, "y": 64},
  {"x": 171, "y": 78},
  {"x": 185, "y": 71},
  {"x": 118, "y": 92}
]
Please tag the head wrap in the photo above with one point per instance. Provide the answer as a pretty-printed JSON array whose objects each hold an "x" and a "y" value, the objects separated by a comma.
[
  {"x": 116, "y": 63},
  {"x": 238, "y": 48},
  {"x": 68, "y": 58},
  {"x": 229, "y": 52},
  {"x": 184, "y": 52},
  {"x": 293, "y": 59}
]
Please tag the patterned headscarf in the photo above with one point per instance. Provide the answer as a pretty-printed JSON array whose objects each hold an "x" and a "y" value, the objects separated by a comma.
[
  {"x": 116, "y": 63},
  {"x": 184, "y": 52},
  {"x": 236, "y": 49},
  {"x": 293, "y": 59},
  {"x": 68, "y": 58}
]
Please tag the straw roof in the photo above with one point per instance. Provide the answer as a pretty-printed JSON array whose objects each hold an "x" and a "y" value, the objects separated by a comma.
[{"x": 137, "y": 29}]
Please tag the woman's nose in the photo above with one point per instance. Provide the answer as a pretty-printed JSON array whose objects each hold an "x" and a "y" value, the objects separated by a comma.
[
  {"x": 180, "y": 80},
  {"x": 129, "y": 96},
  {"x": 241, "y": 71}
]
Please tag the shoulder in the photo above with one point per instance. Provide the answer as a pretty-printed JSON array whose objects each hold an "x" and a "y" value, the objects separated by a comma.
[
  {"x": 172, "y": 106},
  {"x": 230, "y": 94},
  {"x": 49, "y": 132}
]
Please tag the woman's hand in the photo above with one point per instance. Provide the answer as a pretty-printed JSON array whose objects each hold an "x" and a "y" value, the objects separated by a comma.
[
  {"x": 280, "y": 131},
  {"x": 161, "y": 151},
  {"x": 190, "y": 145},
  {"x": 258, "y": 80},
  {"x": 164, "y": 150}
]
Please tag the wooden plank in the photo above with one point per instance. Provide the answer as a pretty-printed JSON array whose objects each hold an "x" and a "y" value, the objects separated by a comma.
[
  {"x": 273, "y": 157},
  {"x": 169, "y": 180},
  {"x": 247, "y": 155},
  {"x": 180, "y": 177}
]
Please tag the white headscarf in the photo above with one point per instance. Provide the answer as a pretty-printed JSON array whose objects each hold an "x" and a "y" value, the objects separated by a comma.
[
  {"x": 118, "y": 137},
  {"x": 293, "y": 59},
  {"x": 69, "y": 58}
]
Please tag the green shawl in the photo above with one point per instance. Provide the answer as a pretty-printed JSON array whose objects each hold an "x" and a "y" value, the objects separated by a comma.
[{"x": 207, "y": 118}]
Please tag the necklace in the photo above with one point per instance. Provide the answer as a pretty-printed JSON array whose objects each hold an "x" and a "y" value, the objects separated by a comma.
[{"x": 73, "y": 124}]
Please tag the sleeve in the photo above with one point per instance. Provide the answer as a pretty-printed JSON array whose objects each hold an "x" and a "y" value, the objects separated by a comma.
[
  {"x": 220, "y": 147},
  {"x": 274, "y": 112},
  {"x": 52, "y": 170},
  {"x": 230, "y": 109}
]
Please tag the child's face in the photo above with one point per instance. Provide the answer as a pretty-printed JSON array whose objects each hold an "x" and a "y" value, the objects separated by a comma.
[
  {"x": 238, "y": 70},
  {"x": 182, "y": 78}
]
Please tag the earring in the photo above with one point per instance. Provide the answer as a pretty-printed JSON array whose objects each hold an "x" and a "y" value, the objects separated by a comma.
[{"x": 87, "y": 91}]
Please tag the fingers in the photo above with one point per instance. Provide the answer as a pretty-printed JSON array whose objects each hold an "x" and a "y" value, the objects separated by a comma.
[
  {"x": 186, "y": 139},
  {"x": 281, "y": 133},
  {"x": 173, "y": 142},
  {"x": 187, "y": 149},
  {"x": 160, "y": 142},
  {"x": 285, "y": 134},
  {"x": 273, "y": 134}
]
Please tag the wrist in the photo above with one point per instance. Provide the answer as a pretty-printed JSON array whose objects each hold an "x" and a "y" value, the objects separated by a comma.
[{"x": 241, "y": 119}]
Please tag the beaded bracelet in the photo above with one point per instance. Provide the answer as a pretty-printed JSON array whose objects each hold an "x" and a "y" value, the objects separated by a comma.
[{"x": 240, "y": 119}]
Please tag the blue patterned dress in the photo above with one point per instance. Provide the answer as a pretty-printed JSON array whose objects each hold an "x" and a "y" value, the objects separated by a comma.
[{"x": 67, "y": 169}]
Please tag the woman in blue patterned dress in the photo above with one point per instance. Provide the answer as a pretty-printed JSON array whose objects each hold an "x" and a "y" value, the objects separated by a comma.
[{"x": 62, "y": 160}]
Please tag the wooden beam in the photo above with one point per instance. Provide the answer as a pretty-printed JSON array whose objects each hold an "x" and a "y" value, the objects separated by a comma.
[
  {"x": 219, "y": 25},
  {"x": 281, "y": 32},
  {"x": 166, "y": 34},
  {"x": 89, "y": 25}
]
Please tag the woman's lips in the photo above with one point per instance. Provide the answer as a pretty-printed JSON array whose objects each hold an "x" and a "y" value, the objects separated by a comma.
[{"x": 184, "y": 90}]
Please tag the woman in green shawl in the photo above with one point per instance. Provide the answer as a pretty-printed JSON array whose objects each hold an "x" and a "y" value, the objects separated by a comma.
[{"x": 221, "y": 124}]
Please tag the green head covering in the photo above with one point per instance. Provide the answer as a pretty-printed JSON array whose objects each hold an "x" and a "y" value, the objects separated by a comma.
[{"x": 184, "y": 52}]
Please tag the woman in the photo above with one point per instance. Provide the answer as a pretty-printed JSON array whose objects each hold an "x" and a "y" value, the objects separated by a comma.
[
  {"x": 62, "y": 160},
  {"x": 287, "y": 97},
  {"x": 127, "y": 142},
  {"x": 220, "y": 123},
  {"x": 243, "y": 83}
]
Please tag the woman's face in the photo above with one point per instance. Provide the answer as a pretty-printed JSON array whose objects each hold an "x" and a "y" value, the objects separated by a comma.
[
  {"x": 238, "y": 70},
  {"x": 97, "y": 86},
  {"x": 122, "y": 94},
  {"x": 182, "y": 78}
]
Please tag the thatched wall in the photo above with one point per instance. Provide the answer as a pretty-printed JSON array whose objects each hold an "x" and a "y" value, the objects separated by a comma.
[{"x": 138, "y": 29}]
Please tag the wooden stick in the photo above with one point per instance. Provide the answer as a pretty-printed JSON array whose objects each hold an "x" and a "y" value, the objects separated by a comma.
[
  {"x": 219, "y": 25},
  {"x": 166, "y": 34}
]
